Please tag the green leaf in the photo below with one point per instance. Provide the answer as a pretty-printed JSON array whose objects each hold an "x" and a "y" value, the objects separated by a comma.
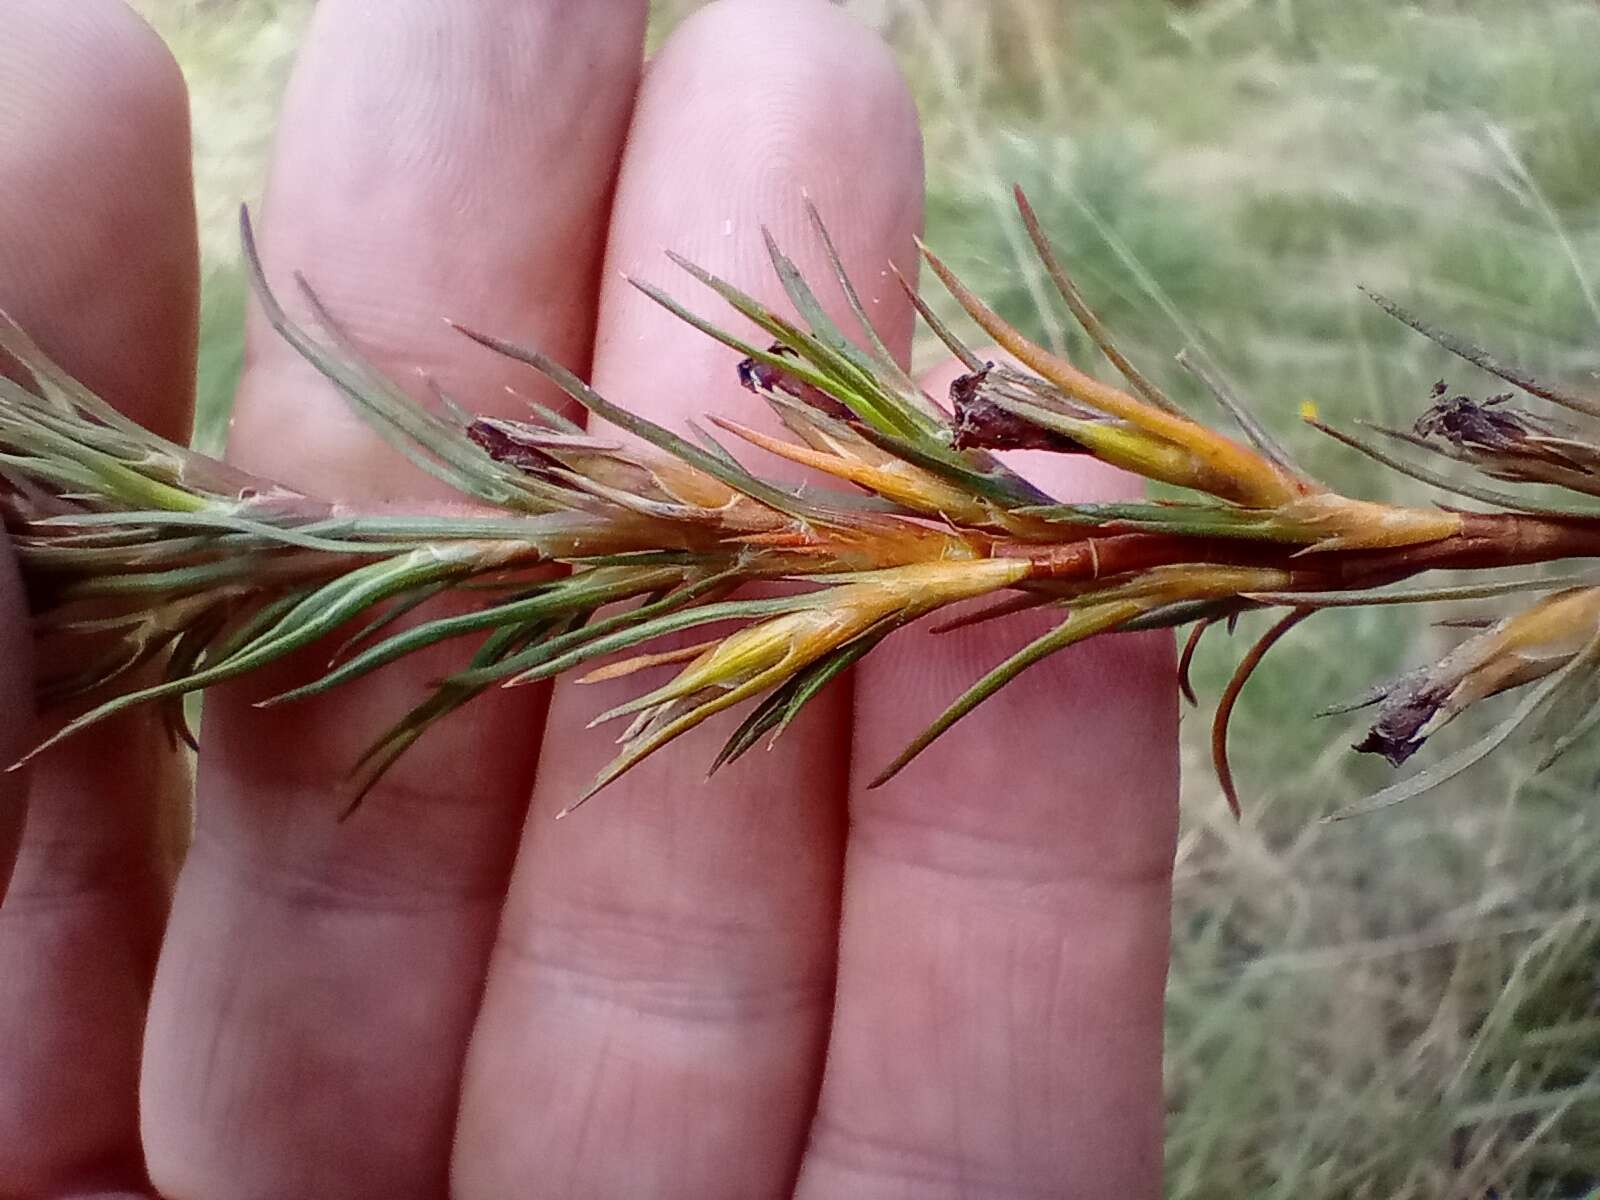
[
  {"x": 1465, "y": 591},
  {"x": 1473, "y": 492},
  {"x": 578, "y": 594},
  {"x": 1081, "y": 311},
  {"x": 1180, "y": 613},
  {"x": 242, "y": 568},
  {"x": 229, "y": 522},
  {"x": 401, "y": 606},
  {"x": 810, "y": 308},
  {"x": 989, "y": 478},
  {"x": 882, "y": 357},
  {"x": 430, "y": 443},
  {"x": 616, "y": 632},
  {"x": 1576, "y": 734},
  {"x": 108, "y": 474},
  {"x": 1082, "y": 623},
  {"x": 876, "y": 375},
  {"x": 846, "y": 374},
  {"x": 958, "y": 349},
  {"x": 58, "y": 389},
  {"x": 628, "y": 635},
  {"x": 662, "y": 728},
  {"x": 1259, "y": 435},
  {"x": 1200, "y": 520},
  {"x": 371, "y": 767}
]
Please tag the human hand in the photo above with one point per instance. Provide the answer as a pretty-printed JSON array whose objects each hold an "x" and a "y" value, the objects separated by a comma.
[{"x": 773, "y": 982}]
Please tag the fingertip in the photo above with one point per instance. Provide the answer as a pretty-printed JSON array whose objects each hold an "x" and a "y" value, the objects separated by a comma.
[
  {"x": 755, "y": 119},
  {"x": 821, "y": 101},
  {"x": 446, "y": 157},
  {"x": 781, "y": 42},
  {"x": 100, "y": 49},
  {"x": 97, "y": 215}
]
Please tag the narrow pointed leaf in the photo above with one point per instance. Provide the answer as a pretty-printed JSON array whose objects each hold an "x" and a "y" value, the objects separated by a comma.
[
  {"x": 1081, "y": 624},
  {"x": 1482, "y": 359},
  {"x": 1471, "y": 491},
  {"x": 882, "y": 356},
  {"x": 579, "y": 594},
  {"x": 1465, "y": 591},
  {"x": 616, "y": 632},
  {"x": 1080, "y": 309},
  {"x": 427, "y": 442},
  {"x": 1260, "y": 436},
  {"x": 1230, "y": 697}
]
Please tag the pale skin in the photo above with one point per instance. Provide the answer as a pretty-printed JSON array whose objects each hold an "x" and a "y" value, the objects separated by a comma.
[{"x": 773, "y": 983}]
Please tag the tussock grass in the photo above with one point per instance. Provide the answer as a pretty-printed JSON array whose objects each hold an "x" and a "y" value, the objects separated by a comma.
[{"x": 1405, "y": 1005}]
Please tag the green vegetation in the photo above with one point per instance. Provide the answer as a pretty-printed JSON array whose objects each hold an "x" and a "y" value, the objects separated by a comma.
[{"x": 1404, "y": 1005}]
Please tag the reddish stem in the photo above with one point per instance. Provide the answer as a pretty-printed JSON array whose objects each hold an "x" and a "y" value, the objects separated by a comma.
[{"x": 1485, "y": 541}]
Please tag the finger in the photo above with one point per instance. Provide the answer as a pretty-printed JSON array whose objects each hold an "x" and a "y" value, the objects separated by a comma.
[
  {"x": 16, "y": 705},
  {"x": 313, "y": 1002},
  {"x": 1003, "y": 946},
  {"x": 659, "y": 997},
  {"x": 98, "y": 262}
]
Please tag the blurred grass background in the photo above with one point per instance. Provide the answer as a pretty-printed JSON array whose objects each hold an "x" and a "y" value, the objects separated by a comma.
[{"x": 1402, "y": 1006}]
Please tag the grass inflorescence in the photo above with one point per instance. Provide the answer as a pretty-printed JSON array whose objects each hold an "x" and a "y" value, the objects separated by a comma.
[
  {"x": 136, "y": 550},
  {"x": 1402, "y": 1007}
]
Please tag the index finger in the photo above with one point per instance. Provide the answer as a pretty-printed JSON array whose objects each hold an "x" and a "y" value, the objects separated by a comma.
[
  {"x": 98, "y": 263},
  {"x": 435, "y": 160}
]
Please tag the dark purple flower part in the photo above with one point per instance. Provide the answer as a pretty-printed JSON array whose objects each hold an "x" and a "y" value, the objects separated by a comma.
[
  {"x": 760, "y": 376},
  {"x": 1409, "y": 705},
  {"x": 1507, "y": 441},
  {"x": 1485, "y": 425},
  {"x": 510, "y": 442},
  {"x": 981, "y": 424}
]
